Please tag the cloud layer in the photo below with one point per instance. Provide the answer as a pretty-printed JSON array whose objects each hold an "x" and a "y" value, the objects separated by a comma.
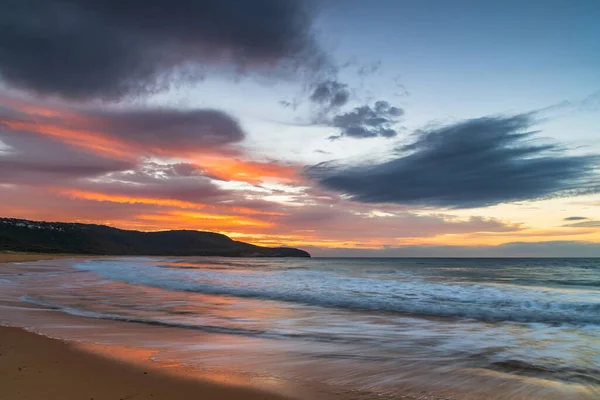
[
  {"x": 584, "y": 224},
  {"x": 39, "y": 159},
  {"x": 555, "y": 248},
  {"x": 119, "y": 131},
  {"x": 474, "y": 163},
  {"x": 110, "y": 49},
  {"x": 159, "y": 168}
]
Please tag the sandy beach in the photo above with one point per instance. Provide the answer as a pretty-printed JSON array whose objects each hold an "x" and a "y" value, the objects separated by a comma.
[
  {"x": 37, "y": 367},
  {"x": 8, "y": 257}
]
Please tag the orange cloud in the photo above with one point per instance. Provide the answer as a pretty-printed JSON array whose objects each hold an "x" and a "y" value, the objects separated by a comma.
[
  {"x": 233, "y": 169},
  {"x": 95, "y": 196},
  {"x": 90, "y": 141},
  {"x": 201, "y": 221},
  {"x": 92, "y": 133},
  {"x": 104, "y": 197}
]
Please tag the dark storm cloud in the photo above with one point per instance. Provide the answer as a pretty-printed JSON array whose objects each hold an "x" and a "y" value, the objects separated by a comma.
[
  {"x": 330, "y": 94},
  {"x": 474, "y": 163},
  {"x": 168, "y": 128},
  {"x": 112, "y": 48},
  {"x": 368, "y": 122},
  {"x": 575, "y": 218},
  {"x": 584, "y": 224}
]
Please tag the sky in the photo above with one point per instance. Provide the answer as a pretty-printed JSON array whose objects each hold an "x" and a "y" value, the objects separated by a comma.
[{"x": 344, "y": 127}]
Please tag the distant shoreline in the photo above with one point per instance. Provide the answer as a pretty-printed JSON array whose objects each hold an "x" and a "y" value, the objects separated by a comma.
[
  {"x": 21, "y": 235},
  {"x": 15, "y": 256}
]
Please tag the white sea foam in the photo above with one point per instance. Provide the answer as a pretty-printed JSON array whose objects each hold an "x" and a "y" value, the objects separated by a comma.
[{"x": 478, "y": 301}]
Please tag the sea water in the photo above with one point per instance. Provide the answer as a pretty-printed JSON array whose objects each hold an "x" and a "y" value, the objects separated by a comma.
[{"x": 482, "y": 328}]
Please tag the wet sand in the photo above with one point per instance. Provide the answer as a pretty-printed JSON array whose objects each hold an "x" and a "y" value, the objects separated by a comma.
[
  {"x": 36, "y": 367},
  {"x": 9, "y": 256}
]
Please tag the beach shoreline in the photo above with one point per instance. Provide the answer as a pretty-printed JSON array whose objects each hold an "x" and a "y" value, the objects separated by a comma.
[
  {"x": 33, "y": 366},
  {"x": 10, "y": 256},
  {"x": 36, "y": 366}
]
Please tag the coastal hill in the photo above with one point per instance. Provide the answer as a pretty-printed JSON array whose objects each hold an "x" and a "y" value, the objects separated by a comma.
[{"x": 58, "y": 237}]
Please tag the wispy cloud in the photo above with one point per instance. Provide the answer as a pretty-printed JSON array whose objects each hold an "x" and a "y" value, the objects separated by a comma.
[
  {"x": 584, "y": 224},
  {"x": 575, "y": 218},
  {"x": 473, "y": 163}
]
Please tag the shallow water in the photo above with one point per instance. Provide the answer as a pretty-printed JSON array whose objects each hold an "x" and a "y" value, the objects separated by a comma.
[{"x": 472, "y": 328}]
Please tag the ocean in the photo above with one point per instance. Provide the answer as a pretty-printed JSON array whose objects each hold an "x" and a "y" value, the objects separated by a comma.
[{"x": 453, "y": 328}]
